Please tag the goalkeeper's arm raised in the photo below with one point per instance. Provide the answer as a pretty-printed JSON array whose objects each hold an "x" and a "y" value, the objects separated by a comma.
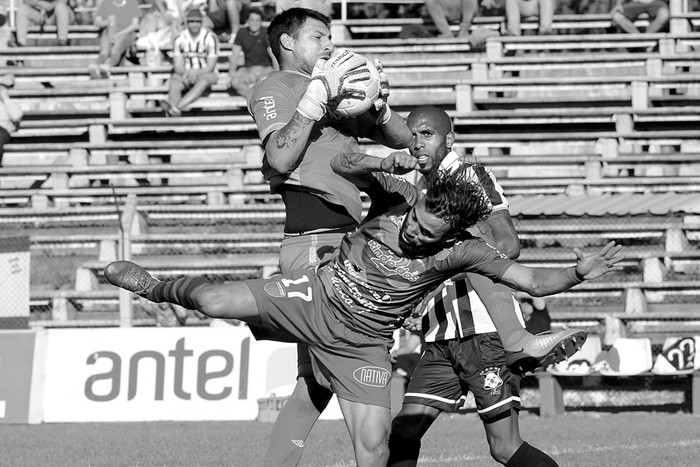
[{"x": 330, "y": 79}]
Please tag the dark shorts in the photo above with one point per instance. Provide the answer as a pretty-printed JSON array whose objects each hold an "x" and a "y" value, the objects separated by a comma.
[
  {"x": 632, "y": 10},
  {"x": 219, "y": 18},
  {"x": 353, "y": 365},
  {"x": 449, "y": 370}
]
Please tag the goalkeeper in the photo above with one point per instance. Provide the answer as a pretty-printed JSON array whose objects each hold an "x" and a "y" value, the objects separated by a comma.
[{"x": 292, "y": 109}]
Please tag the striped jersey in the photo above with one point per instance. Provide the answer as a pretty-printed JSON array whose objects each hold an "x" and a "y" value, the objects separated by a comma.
[
  {"x": 454, "y": 310},
  {"x": 196, "y": 50}
]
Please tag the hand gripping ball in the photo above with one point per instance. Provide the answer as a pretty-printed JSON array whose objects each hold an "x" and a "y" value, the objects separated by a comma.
[{"x": 352, "y": 106}]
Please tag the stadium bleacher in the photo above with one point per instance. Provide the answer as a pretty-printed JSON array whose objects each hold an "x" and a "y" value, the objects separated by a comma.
[{"x": 610, "y": 130}]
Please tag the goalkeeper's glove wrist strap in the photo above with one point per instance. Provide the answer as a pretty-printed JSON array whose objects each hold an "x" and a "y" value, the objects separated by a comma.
[
  {"x": 311, "y": 104},
  {"x": 385, "y": 116}
]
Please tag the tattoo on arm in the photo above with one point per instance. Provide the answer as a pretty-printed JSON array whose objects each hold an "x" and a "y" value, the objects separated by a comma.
[{"x": 289, "y": 134}]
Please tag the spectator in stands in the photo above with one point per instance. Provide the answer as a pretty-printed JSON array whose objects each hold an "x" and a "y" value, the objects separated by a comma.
[
  {"x": 43, "y": 12},
  {"x": 251, "y": 55},
  {"x": 517, "y": 10},
  {"x": 160, "y": 26},
  {"x": 325, "y": 7},
  {"x": 118, "y": 22},
  {"x": 195, "y": 54},
  {"x": 444, "y": 12},
  {"x": 10, "y": 112},
  {"x": 624, "y": 14},
  {"x": 226, "y": 16}
]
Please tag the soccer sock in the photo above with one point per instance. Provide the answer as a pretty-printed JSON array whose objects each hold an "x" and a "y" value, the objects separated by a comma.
[
  {"x": 528, "y": 456},
  {"x": 292, "y": 427},
  {"x": 403, "y": 452},
  {"x": 179, "y": 291},
  {"x": 498, "y": 301}
]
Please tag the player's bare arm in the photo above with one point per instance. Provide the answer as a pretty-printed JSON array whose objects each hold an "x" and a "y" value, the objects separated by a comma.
[
  {"x": 504, "y": 234},
  {"x": 285, "y": 146},
  {"x": 356, "y": 166},
  {"x": 390, "y": 129},
  {"x": 540, "y": 282}
]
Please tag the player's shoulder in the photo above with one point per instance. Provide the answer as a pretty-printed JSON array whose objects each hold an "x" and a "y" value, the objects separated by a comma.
[{"x": 278, "y": 82}]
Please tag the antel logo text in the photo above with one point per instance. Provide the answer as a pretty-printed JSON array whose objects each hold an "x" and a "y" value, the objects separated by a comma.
[{"x": 179, "y": 357}]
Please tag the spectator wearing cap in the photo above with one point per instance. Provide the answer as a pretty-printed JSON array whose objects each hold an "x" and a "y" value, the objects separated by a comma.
[
  {"x": 195, "y": 53},
  {"x": 252, "y": 51},
  {"x": 118, "y": 22},
  {"x": 10, "y": 112},
  {"x": 43, "y": 12}
]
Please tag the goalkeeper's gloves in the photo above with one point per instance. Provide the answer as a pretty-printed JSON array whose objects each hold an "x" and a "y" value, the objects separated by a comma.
[
  {"x": 382, "y": 111},
  {"x": 333, "y": 79}
]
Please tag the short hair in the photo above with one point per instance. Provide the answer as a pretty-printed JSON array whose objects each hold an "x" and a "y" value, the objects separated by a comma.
[
  {"x": 457, "y": 198},
  {"x": 439, "y": 118},
  {"x": 289, "y": 22},
  {"x": 256, "y": 11}
]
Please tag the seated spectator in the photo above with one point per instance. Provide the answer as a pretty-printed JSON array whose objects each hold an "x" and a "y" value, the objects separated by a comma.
[
  {"x": 10, "y": 112},
  {"x": 118, "y": 22},
  {"x": 160, "y": 27},
  {"x": 43, "y": 12},
  {"x": 322, "y": 6},
  {"x": 517, "y": 10},
  {"x": 195, "y": 53},
  {"x": 444, "y": 12},
  {"x": 252, "y": 47},
  {"x": 624, "y": 13},
  {"x": 226, "y": 16}
]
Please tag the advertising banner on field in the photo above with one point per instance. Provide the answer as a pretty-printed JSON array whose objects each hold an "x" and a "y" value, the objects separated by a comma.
[
  {"x": 145, "y": 374},
  {"x": 16, "y": 363}
]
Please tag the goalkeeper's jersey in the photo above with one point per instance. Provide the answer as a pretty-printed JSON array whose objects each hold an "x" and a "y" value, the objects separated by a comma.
[{"x": 272, "y": 104}]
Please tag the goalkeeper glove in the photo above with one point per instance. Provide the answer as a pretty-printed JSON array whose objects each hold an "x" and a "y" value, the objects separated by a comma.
[{"x": 333, "y": 79}]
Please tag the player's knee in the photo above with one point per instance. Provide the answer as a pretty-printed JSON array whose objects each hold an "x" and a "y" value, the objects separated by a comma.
[
  {"x": 663, "y": 15},
  {"x": 208, "y": 301},
  {"x": 376, "y": 444}
]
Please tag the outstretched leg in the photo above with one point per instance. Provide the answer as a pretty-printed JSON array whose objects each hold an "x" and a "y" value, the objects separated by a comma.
[{"x": 232, "y": 300}]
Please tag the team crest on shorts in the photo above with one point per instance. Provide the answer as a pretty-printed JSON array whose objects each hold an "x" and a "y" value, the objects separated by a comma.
[
  {"x": 492, "y": 379},
  {"x": 372, "y": 376},
  {"x": 274, "y": 289}
]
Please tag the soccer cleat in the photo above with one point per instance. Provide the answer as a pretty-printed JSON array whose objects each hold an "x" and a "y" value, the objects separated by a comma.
[
  {"x": 131, "y": 277},
  {"x": 545, "y": 349}
]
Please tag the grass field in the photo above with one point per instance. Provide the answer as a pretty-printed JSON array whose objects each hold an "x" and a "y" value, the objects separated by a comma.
[{"x": 577, "y": 439}]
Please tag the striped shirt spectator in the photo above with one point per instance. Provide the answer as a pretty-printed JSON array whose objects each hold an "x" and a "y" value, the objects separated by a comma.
[
  {"x": 195, "y": 55},
  {"x": 196, "y": 49}
]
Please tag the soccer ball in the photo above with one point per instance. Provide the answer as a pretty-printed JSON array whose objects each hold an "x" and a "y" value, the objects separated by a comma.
[{"x": 352, "y": 106}]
